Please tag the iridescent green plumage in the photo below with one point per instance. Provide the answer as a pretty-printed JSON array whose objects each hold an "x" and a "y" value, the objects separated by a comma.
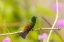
[{"x": 28, "y": 27}]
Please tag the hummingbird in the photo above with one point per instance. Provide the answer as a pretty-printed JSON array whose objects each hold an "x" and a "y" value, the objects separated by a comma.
[{"x": 29, "y": 26}]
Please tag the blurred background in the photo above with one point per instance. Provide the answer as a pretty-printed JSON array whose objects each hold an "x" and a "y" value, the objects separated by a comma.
[{"x": 14, "y": 15}]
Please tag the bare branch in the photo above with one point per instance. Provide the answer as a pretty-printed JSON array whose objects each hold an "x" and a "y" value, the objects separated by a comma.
[
  {"x": 33, "y": 29},
  {"x": 10, "y": 33}
]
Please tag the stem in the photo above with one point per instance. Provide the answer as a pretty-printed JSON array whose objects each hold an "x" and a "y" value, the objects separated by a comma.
[{"x": 21, "y": 31}]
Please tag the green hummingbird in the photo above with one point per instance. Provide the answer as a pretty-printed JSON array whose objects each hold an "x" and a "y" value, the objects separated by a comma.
[{"x": 28, "y": 27}]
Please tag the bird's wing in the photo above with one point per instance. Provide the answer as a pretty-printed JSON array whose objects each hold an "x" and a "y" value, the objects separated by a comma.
[{"x": 28, "y": 26}]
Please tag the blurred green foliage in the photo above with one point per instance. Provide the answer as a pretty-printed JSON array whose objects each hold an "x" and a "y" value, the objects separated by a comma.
[
  {"x": 55, "y": 37},
  {"x": 12, "y": 12}
]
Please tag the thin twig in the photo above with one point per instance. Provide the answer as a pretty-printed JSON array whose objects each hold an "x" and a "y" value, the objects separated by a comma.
[
  {"x": 10, "y": 33},
  {"x": 47, "y": 22},
  {"x": 33, "y": 29},
  {"x": 47, "y": 29}
]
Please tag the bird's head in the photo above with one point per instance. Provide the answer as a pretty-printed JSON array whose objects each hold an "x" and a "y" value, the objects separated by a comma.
[{"x": 33, "y": 19}]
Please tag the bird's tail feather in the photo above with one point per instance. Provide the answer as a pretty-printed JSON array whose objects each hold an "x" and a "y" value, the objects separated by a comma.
[{"x": 23, "y": 34}]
